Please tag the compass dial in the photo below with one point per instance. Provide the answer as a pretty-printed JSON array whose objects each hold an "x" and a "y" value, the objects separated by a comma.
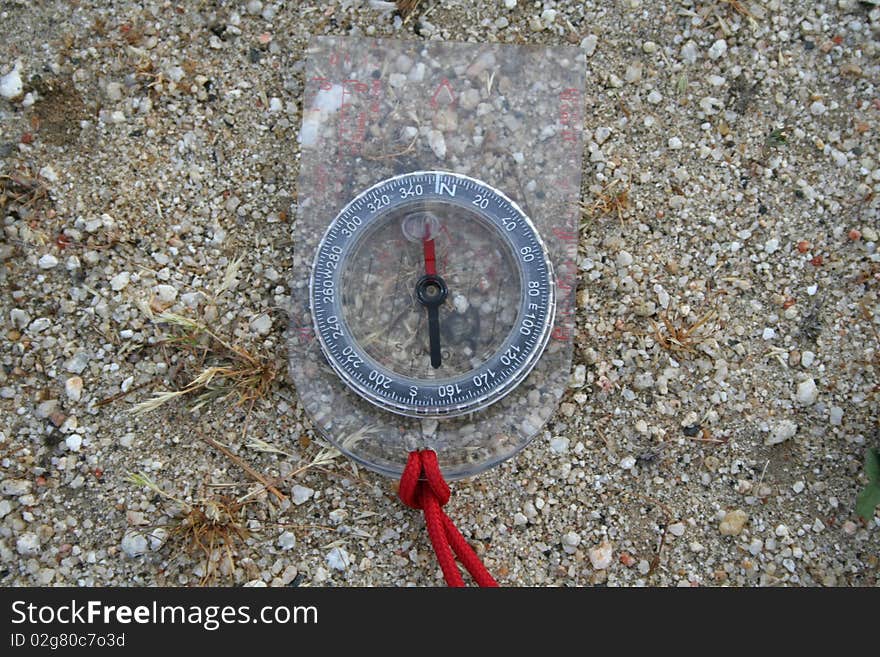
[{"x": 432, "y": 294}]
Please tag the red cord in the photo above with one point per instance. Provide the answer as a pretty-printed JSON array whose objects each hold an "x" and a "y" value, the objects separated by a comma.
[{"x": 422, "y": 487}]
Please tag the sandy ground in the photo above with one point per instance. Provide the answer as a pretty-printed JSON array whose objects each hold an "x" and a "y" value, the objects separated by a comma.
[{"x": 724, "y": 389}]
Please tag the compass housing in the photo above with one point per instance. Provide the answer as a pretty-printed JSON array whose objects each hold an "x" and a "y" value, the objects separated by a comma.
[{"x": 508, "y": 357}]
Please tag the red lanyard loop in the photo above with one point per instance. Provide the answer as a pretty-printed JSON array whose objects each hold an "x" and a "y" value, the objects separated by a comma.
[{"x": 422, "y": 487}]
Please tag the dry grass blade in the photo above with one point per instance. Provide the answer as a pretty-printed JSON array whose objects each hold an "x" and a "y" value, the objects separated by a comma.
[
  {"x": 212, "y": 528},
  {"x": 738, "y": 7},
  {"x": 609, "y": 201},
  {"x": 234, "y": 373},
  {"x": 229, "y": 276},
  {"x": 681, "y": 338},
  {"x": 24, "y": 188},
  {"x": 407, "y": 8}
]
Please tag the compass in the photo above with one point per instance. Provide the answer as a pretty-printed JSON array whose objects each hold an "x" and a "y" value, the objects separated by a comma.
[{"x": 432, "y": 294}]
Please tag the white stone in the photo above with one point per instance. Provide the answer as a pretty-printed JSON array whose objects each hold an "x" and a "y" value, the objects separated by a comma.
[
  {"x": 771, "y": 245},
  {"x": 301, "y": 494},
  {"x": 338, "y": 559},
  {"x": 798, "y": 487},
  {"x": 73, "y": 442},
  {"x": 781, "y": 432},
  {"x": 5, "y": 508},
  {"x": 39, "y": 324},
  {"x": 126, "y": 440},
  {"x": 817, "y": 108},
  {"x": 600, "y": 556},
  {"x": 19, "y": 318},
  {"x": 77, "y": 363},
  {"x": 627, "y": 462},
  {"x": 15, "y": 487},
  {"x": 570, "y": 541},
  {"x": 157, "y": 538},
  {"x": 73, "y": 388},
  {"x": 654, "y": 97},
  {"x": 46, "y": 408},
  {"x": 559, "y": 445},
  {"x": 807, "y": 393},
  {"x": 675, "y": 143},
  {"x": 262, "y": 324},
  {"x": 807, "y": 358},
  {"x": 120, "y": 281},
  {"x": 11, "y": 85},
  {"x": 509, "y": 4},
  {"x": 165, "y": 293},
  {"x": 601, "y": 135},
  {"x": 689, "y": 52},
  {"x": 47, "y": 261},
  {"x": 28, "y": 544},
  {"x": 461, "y": 303},
  {"x": 677, "y": 529},
  {"x": 718, "y": 49},
  {"x": 287, "y": 541},
  {"x": 624, "y": 259},
  {"x": 835, "y": 415},
  {"x": 134, "y": 544},
  {"x": 275, "y": 104},
  {"x": 589, "y": 43},
  {"x": 437, "y": 142},
  {"x": 519, "y": 519},
  {"x": 49, "y": 173},
  {"x": 113, "y": 91},
  {"x": 768, "y": 333}
]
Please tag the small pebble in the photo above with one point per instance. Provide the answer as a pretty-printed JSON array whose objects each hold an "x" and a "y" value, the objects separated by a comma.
[
  {"x": 733, "y": 523},
  {"x": 807, "y": 358},
  {"x": 570, "y": 541},
  {"x": 134, "y": 544},
  {"x": 47, "y": 261},
  {"x": 627, "y": 462},
  {"x": 28, "y": 544},
  {"x": 835, "y": 415},
  {"x": 262, "y": 324},
  {"x": 781, "y": 432},
  {"x": 807, "y": 393},
  {"x": 15, "y": 487},
  {"x": 73, "y": 442},
  {"x": 338, "y": 559},
  {"x": 11, "y": 85},
  {"x": 589, "y": 43},
  {"x": 675, "y": 143},
  {"x": 120, "y": 281},
  {"x": 287, "y": 541},
  {"x": 717, "y": 49},
  {"x": 601, "y": 556},
  {"x": 301, "y": 494}
]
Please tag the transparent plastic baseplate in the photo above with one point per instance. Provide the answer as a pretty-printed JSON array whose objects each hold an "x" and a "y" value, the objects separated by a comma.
[{"x": 508, "y": 116}]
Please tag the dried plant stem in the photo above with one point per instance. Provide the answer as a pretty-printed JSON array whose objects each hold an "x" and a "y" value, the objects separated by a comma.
[{"x": 269, "y": 486}]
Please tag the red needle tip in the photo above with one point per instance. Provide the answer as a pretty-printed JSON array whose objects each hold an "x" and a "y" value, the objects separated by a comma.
[{"x": 430, "y": 256}]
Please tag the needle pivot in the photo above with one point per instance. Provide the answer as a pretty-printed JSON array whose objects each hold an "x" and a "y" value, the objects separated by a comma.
[{"x": 431, "y": 291}]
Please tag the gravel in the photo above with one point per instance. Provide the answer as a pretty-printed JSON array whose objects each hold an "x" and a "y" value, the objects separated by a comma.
[{"x": 731, "y": 173}]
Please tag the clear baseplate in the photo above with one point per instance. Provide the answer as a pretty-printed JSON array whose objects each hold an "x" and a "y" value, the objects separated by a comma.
[{"x": 508, "y": 116}]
